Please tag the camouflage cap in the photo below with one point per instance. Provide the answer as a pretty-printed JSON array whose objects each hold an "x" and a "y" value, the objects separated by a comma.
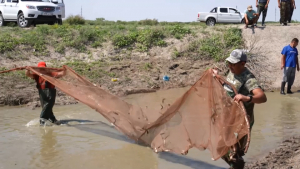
[{"x": 236, "y": 56}]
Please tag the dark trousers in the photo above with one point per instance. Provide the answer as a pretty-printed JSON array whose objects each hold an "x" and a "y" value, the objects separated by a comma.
[
  {"x": 285, "y": 12},
  {"x": 47, "y": 98},
  {"x": 292, "y": 11},
  {"x": 262, "y": 9}
]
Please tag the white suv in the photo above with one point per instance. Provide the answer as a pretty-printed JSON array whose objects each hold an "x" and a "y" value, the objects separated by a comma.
[{"x": 27, "y": 12}]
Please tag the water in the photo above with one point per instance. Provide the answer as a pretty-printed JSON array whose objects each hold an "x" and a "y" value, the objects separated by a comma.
[{"x": 87, "y": 140}]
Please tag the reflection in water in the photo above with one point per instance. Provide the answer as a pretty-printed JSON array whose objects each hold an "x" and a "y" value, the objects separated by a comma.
[
  {"x": 48, "y": 150},
  {"x": 287, "y": 116}
]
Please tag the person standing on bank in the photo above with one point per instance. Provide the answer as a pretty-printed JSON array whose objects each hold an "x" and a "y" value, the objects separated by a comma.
[
  {"x": 285, "y": 11},
  {"x": 262, "y": 7},
  {"x": 47, "y": 94},
  {"x": 289, "y": 61}
]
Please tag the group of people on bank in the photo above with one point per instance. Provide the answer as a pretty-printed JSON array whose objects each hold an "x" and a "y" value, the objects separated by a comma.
[{"x": 286, "y": 12}]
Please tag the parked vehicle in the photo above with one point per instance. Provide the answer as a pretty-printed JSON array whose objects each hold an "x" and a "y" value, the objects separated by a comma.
[
  {"x": 221, "y": 15},
  {"x": 28, "y": 12}
]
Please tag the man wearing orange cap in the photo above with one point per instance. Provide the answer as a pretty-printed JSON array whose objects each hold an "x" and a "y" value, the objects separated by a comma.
[{"x": 47, "y": 94}]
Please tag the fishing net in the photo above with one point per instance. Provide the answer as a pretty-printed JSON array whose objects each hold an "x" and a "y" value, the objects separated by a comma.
[{"x": 205, "y": 117}]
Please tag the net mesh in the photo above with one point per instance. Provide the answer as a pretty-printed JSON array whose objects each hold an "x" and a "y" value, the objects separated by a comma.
[{"x": 205, "y": 117}]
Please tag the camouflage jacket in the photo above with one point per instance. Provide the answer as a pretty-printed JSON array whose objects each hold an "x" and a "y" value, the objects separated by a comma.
[{"x": 244, "y": 83}]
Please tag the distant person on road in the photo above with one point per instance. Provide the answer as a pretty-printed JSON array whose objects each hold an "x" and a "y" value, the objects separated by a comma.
[
  {"x": 251, "y": 17},
  {"x": 293, "y": 6},
  {"x": 262, "y": 7},
  {"x": 285, "y": 11},
  {"x": 47, "y": 94},
  {"x": 289, "y": 61}
]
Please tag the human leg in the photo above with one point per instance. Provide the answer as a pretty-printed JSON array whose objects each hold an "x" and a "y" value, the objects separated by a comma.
[
  {"x": 282, "y": 12},
  {"x": 291, "y": 73},
  {"x": 44, "y": 103},
  {"x": 291, "y": 14},
  {"x": 284, "y": 80},
  {"x": 52, "y": 96},
  {"x": 264, "y": 16}
]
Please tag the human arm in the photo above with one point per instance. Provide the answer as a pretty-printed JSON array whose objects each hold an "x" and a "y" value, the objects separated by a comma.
[
  {"x": 294, "y": 4},
  {"x": 59, "y": 74},
  {"x": 267, "y": 4},
  {"x": 246, "y": 18},
  {"x": 29, "y": 74},
  {"x": 256, "y": 1},
  {"x": 282, "y": 61},
  {"x": 297, "y": 62},
  {"x": 258, "y": 97},
  {"x": 278, "y": 3}
]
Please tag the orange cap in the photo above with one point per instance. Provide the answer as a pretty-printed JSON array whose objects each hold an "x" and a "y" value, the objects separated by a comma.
[{"x": 42, "y": 64}]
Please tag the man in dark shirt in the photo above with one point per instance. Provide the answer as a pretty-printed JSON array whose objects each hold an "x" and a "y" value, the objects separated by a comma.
[
  {"x": 289, "y": 61},
  {"x": 262, "y": 6}
]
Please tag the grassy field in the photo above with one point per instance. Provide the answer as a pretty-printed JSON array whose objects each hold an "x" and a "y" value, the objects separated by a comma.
[{"x": 208, "y": 43}]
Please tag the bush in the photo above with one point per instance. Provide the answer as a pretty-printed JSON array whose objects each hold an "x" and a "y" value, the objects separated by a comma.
[
  {"x": 149, "y": 22},
  {"x": 179, "y": 31},
  {"x": 216, "y": 46},
  {"x": 75, "y": 20}
]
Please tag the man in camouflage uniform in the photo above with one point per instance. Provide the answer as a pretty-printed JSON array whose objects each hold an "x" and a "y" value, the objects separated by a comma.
[
  {"x": 285, "y": 11},
  {"x": 249, "y": 92}
]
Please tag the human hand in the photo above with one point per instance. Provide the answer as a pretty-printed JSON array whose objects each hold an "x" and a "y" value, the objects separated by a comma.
[
  {"x": 240, "y": 97},
  {"x": 282, "y": 66},
  {"x": 278, "y": 5},
  {"x": 266, "y": 6},
  {"x": 215, "y": 71},
  {"x": 298, "y": 69}
]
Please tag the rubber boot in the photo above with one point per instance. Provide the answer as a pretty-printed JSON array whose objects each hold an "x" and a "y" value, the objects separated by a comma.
[
  {"x": 282, "y": 88},
  {"x": 289, "y": 89}
]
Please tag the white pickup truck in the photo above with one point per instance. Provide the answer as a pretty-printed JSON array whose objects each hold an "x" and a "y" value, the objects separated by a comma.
[
  {"x": 221, "y": 15},
  {"x": 28, "y": 12}
]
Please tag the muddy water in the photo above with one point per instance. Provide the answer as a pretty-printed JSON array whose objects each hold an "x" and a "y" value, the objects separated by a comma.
[{"x": 87, "y": 140}]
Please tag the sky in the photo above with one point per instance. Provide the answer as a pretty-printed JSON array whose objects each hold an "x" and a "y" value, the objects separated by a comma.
[{"x": 162, "y": 10}]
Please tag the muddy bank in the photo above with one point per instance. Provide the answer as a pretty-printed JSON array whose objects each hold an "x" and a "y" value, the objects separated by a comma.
[{"x": 287, "y": 156}]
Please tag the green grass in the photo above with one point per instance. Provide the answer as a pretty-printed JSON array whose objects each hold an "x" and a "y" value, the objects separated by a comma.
[
  {"x": 215, "y": 46},
  {"x": 79, "y": 34}
]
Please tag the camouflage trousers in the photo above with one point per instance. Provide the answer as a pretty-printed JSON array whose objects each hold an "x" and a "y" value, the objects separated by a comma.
[
  {"x": 285, "y": 12},
  {"x": 237, "y": 161}
]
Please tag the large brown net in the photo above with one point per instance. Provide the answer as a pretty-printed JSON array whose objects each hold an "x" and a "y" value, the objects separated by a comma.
[{"x": 205, "y": 117}]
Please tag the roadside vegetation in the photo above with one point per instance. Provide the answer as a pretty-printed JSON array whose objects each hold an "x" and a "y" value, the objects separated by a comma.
[{"x": 79, "y": 35}]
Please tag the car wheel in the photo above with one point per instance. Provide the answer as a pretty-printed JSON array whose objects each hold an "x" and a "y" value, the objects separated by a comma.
[
  {"x": 59, "y": 21},
  {"x": 210, "y": 22},
  {"x": 243, "y": 21},
  {"x": 2, "y": 22},
  {"x": 22, "y": 22}
]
